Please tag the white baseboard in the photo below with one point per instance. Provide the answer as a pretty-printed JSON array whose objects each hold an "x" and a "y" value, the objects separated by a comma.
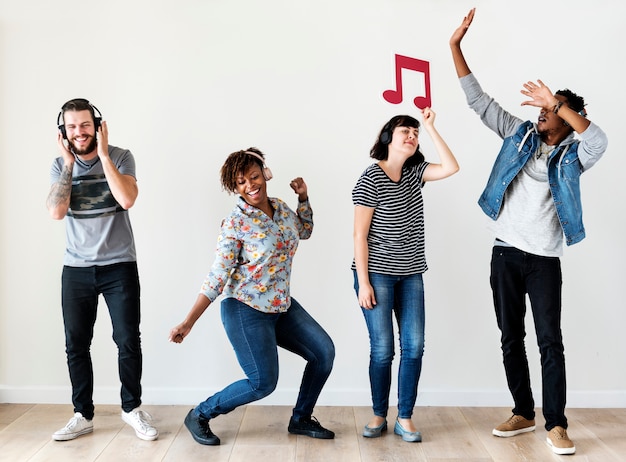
[{"x": 329, "y": 397}]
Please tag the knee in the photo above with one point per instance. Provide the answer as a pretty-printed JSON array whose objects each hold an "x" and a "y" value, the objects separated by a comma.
[
  {"x": 382, "y": 353},
  {"x": 327, "y": 359},
  {"x": 264, "y": 386},
  {"x": 551, "y": 348},
  {"x": 127, "y": 341},
  {"x": 414, "y": 349}
]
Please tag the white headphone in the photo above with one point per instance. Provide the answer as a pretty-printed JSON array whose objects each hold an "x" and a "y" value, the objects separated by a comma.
[{"x": 267, "y": 173}]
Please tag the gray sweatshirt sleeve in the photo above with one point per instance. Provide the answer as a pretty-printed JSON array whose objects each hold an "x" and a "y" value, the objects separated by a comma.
[
  {"x": 592, "y": 145},
  {"x": 490, "y": 112}
]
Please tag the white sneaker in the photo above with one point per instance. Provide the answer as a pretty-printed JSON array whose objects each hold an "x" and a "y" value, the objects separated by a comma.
[
  {"x": 138, "y": 419},
  {"x": 77, "y": 426}
]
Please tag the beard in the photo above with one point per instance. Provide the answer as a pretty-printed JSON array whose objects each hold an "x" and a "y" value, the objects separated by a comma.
[{"x": 82, "y": 152}]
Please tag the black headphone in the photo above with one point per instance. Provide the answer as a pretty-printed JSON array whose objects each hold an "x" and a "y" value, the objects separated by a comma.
[
  {"x": 267, "y": 173},
  {"x": 97, "y": 121},
  {"x": 386, "y": 135}
]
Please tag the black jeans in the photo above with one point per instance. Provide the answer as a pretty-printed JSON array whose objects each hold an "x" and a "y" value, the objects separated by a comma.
[
  {"x": 514, "y": 274},
  {"x": 119, "y": 285}
]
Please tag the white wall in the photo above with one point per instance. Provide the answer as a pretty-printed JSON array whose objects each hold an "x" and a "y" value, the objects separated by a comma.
[{"x": 182, "y": 84}]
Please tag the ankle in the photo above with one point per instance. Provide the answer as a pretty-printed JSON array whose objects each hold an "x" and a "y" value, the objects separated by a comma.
[{"x": 407, "y": 424}]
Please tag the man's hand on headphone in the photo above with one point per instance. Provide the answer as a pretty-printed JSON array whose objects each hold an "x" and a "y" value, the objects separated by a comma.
[
  {"x": 103, "y": 139},
  {"x": 64, "y": 149}
]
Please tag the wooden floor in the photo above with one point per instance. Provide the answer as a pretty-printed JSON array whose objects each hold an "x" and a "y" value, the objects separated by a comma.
[{"x": 259, "y": 433}]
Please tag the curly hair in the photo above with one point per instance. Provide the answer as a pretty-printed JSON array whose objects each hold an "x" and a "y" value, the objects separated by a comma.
[
  {"x": 574, "y": 101},
  {"x": 236, "y": 164},
  {"x": 380, "y": 150}
]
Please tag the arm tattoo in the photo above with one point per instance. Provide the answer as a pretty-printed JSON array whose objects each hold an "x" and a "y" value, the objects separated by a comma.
[{"x": 61, "y": 190}]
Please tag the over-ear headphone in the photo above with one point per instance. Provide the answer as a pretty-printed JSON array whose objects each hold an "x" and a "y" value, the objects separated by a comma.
[
  {"x": 267, "y": 173},
  {"x": 97, "y": 121},
  {"x": 386, "y": 134}
]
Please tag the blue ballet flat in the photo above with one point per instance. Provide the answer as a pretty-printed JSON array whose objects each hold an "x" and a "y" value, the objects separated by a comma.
[
  {"x": 374, "y": 432},
  {"x": 411, "y": 437}
]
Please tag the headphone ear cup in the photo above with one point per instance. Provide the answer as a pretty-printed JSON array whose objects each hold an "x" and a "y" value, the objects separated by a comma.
[
  {"x": 97, "y": 122},
  {"x": 385, "y": 136},
  {"x": 267, "y": 174},
  {"x": 61, "y": 125}
]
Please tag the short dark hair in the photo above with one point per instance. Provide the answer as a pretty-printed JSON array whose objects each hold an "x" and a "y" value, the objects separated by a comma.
[
  {"x": 237, "y": 163},
  {"x": 574, "y": 101},
  {"x": 380, "y": 150},
  {"x": 78, "y": 104}
]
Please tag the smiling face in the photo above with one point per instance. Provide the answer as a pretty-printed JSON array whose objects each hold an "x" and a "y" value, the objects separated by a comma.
[
  {"x": 81, "y": 132},
  {"x": 404, "y": 140},
  {"x": 251, "y": 185}
]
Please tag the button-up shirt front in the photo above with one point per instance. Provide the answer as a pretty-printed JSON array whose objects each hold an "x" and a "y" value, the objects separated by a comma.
[{"x": 254, "y": 255}]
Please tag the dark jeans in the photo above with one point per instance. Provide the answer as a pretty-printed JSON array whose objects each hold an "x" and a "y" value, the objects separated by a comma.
[
  {"x": 514, "y": 274},
  {"x": 255, "y": 337},
  {"x": 119, "y": 285}
]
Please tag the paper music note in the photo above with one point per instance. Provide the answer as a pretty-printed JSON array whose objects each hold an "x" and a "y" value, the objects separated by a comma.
[{"x": 411, "y": 64}]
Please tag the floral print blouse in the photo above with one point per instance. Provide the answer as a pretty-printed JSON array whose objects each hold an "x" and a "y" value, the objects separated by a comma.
[{"x": 254, "y": 255}]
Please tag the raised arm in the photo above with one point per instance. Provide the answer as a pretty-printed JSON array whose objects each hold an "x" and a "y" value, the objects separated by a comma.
[
  {"x": 542, "y": 97},
  {"x": 462, "y": 69},
  {"x": 304, "y": 211},
  {"x": 448, "y": 164}
]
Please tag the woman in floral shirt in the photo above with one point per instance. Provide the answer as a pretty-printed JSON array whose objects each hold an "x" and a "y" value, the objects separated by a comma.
[{"x": 252, "y": 269}]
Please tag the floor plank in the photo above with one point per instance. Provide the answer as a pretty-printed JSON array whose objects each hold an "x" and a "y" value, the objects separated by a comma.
[{"x": 259, "y": 433}]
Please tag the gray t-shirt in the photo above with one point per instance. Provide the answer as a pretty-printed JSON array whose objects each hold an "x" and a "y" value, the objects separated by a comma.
[
  {"x": 528, "y": 217},
  {"x": 98, "y": 229}
]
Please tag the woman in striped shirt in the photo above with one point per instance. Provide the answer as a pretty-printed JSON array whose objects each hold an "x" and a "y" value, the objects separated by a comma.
[{"x": 389, "y": 260}]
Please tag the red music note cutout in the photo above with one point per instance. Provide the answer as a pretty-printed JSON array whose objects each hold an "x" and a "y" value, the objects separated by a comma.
[{"x": 411, "y": 64}]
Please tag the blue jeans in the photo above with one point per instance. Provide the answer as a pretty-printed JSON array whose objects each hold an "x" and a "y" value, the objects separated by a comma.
[
  {"x": 119, "y": 285},
  {"x": 255, "y": 337},
  {"x": 514, "y": 274},
  {"x": 404, "y": 297}
]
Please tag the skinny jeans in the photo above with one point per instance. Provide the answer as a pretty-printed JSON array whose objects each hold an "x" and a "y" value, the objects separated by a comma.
[
  {"x": 402, "y": 297},
  {"x": 255, "y": 337},
  {"x": 119, "y": 285},
  {"x": 514, "y": 274}
]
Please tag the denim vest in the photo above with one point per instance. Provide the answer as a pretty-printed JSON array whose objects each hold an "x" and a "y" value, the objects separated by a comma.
[{"x": 564, "y": 169}]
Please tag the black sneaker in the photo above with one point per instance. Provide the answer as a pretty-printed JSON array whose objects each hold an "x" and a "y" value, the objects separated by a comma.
[
  {"x": 309, "y": 427},
  {"x": 199, "y": 428}
]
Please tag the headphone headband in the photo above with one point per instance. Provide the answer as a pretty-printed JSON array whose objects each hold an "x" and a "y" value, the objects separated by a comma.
[
  {"x": 97, "y": 120},
  {"x": 267, "y": 173}
]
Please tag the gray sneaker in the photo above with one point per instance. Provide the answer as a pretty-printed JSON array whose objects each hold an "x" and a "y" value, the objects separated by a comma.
[
  {"x": 139, "y": 420},
  {"x": 77, "y": 426}
]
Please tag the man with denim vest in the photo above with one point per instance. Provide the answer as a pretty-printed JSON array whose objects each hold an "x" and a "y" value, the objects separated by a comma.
[{"x": 533, "y": 198}]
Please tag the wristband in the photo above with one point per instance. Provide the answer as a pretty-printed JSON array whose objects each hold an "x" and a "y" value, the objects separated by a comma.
[{"x": 557, "y": 106}]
